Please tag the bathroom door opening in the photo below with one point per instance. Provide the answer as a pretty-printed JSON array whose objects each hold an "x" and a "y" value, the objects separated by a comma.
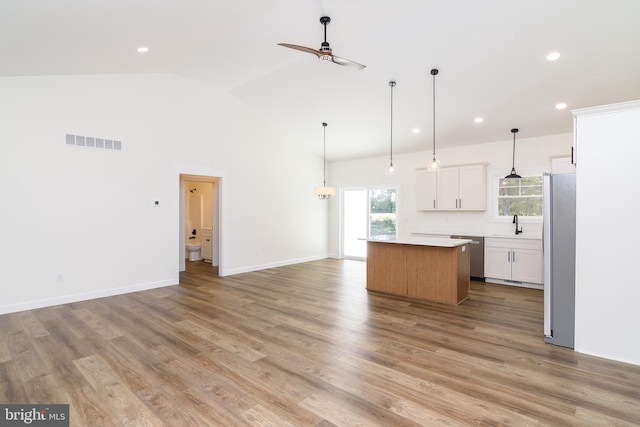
[{"x": 199, "y": 221}]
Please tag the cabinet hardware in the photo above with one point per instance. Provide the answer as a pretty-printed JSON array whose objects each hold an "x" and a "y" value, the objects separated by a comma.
[
  {"x": 434, "y": 203},
  {"x": 514, "y": 256},
  {"x": 509, "y": 256},
  {"x": 572, "y": 162}
]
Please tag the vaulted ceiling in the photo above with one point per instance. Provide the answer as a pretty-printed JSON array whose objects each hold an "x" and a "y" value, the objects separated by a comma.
[{"x": 491, "y": 55}]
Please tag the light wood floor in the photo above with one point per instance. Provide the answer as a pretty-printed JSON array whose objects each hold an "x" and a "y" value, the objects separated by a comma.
[{"x": 306, "y": 345}]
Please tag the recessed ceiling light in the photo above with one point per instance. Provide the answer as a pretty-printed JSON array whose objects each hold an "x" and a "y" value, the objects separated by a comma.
[
  {"x": 553, "y": 56},
  {"x": 561, "y": 106},
  {"x": 415, "y": 130},
  {"x": 478, "y": 120},
  {"x": 143, "y": 49}
]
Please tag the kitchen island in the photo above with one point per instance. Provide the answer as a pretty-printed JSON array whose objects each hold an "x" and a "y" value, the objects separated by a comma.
[{"x": 435, "y": 269}]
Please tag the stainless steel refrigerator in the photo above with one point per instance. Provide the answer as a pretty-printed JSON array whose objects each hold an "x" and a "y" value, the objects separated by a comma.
[{"x": 559, "y": 247}]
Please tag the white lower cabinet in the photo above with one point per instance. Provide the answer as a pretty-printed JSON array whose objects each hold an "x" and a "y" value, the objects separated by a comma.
[
  {"x": 513, "y": 261},
  {"x": 207, "y": 244}
]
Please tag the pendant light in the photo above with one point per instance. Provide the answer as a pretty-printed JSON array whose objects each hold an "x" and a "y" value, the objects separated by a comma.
[
  {"x": 434, "y": 166},
  {"x": 391, "y": 170},
  {"x": 324, "y": 192},
  {"x": 513, "y": 173}
]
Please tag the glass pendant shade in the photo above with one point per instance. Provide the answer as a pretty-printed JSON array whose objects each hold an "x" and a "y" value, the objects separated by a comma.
[
  {"x": 434, "y": 165},
  {"x": 391, "y": 169}
]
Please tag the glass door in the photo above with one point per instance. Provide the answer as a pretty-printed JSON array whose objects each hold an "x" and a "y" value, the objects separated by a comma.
[
  {"x": 367, "y": 214},
  {"x": 382, "y": 214}
]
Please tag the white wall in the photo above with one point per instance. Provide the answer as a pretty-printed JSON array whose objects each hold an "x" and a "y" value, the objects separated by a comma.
[
  {"x": 203, "y": 191},
  {"x": 607, "y": 203},
  {"x": 532, "y": 155},
  {"x": 88, "y": 214}
]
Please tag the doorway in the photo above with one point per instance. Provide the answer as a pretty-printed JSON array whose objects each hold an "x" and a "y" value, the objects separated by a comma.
[
  {"x": 367, "y": 213},
  {"x": 354, "y": 224},
  {"x": 200, "y": 218}
]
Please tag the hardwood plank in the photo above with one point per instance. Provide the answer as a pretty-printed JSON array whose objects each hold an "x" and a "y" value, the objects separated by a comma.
[
  {"x": 127, "y": 409},
  {"x": 307, "y": 345}
]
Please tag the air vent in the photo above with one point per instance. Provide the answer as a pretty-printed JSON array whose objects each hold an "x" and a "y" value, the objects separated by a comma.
[{"x": 92, "y": 142}]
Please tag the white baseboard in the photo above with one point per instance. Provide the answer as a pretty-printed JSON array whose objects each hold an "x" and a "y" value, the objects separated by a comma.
[
  {"x": 258, "y": 267},
  {"x": 511, "y": 283},
  {"x": 66, "y": 299}
]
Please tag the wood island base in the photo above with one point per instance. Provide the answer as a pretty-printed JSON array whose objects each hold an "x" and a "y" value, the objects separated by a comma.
[{"x": 434, "y": 272}]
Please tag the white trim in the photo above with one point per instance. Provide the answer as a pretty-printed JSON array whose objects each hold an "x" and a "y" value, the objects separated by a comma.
[
  {"x": 206, "y": 175},
  {"x": 48, "y": 302},
  {"x": 258, "y": 267},
  {"x": 604, "y": 109},
  {"x": 512, "y": 283}
]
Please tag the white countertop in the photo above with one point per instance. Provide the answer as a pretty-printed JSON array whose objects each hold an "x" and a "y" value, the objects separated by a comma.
[
  {"x": 443, "y": 242},
  {"x": 533, "y": 236}
]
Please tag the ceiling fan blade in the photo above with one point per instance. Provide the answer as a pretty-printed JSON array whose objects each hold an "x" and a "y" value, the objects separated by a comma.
[
  {"x": 347, "y": 63},
  {"x": 301, "y": 48}
]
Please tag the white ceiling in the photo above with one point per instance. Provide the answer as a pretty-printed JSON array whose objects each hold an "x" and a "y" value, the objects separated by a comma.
[{"x": 491, "y": 55}]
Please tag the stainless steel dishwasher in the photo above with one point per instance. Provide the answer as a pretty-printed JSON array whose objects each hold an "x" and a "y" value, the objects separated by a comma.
[{"x": 476, "y": 256}]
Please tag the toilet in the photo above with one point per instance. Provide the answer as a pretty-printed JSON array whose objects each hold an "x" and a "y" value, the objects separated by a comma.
[{"x": 193, "y": 249}]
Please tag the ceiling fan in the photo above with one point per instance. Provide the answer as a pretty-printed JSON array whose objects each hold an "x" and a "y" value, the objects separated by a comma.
[{"x": 325, "y": 50}]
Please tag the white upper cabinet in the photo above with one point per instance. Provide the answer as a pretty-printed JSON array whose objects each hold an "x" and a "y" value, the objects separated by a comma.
[
  {"x": 472, "y": 188},
  {"x": 459, "y": 188},
  {"x": 447, "y": 189},
  {"x": 425, "y": 190}
]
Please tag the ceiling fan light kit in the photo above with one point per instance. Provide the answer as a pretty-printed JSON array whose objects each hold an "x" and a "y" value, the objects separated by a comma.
[{"x": 325, "y": 53}]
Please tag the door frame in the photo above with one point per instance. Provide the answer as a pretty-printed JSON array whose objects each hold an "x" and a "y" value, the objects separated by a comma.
[
  {"x": 218, "y": 234},
  {"x": 368, "y": 189}
]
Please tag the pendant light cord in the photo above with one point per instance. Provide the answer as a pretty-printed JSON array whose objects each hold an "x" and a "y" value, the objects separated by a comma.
[
  {"x": 434, "y": 72},
  {"x": 324, "y": 153},
  {"x": 513, "y": 160},
  {"x": 392, "y": 85}
]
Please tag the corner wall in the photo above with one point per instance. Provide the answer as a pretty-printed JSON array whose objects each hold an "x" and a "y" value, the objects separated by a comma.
[
  {"x": 80, "y": 223},
  {"x": 607, "y": 200}
]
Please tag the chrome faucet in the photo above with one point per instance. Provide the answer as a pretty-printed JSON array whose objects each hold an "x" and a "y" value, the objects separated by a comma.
[{"x": 515, "y": 221}]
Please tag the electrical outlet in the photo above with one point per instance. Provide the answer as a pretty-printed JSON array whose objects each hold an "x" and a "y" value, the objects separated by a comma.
[{"x": 59, "y": 278}]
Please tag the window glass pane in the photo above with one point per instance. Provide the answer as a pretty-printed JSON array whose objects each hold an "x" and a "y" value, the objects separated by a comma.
[
  {"x": 382, "y": 214},
  {"x": 520, "y": 196}
]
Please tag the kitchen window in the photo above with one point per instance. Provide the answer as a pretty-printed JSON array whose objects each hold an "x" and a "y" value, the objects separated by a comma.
[{"x": 519, "y": 196}]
